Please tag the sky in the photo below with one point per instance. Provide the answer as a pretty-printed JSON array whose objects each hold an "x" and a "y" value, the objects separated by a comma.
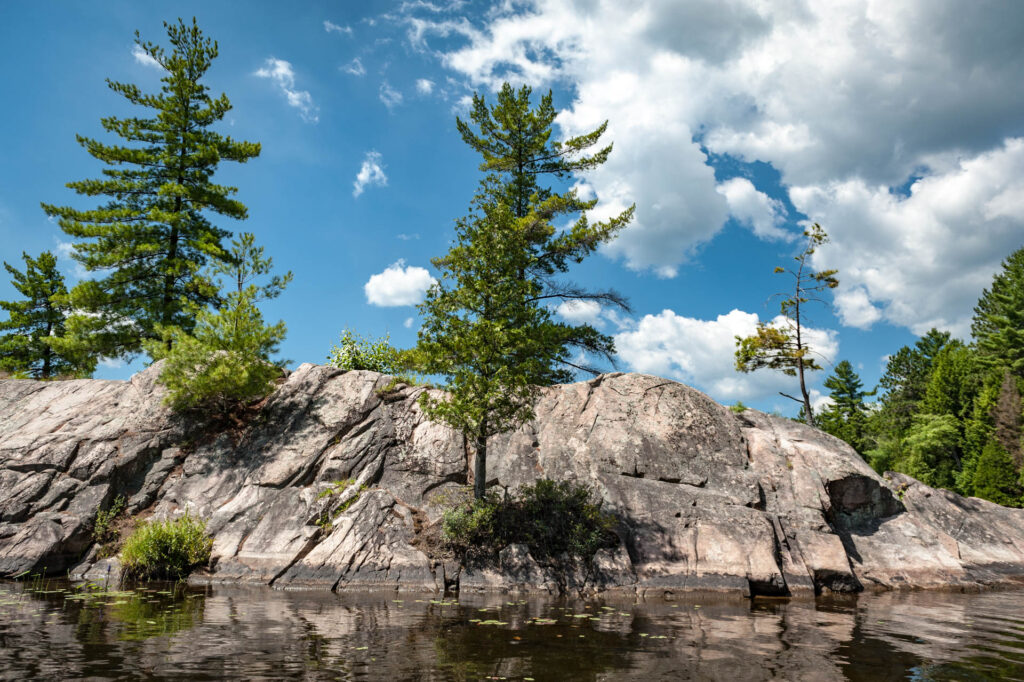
[{"x": 898, "y": 126}]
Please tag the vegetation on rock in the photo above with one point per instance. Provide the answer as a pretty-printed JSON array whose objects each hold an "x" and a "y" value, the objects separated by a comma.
[
  {"x": 166, "y": 549},
  {"x": 551, "y": 518}
]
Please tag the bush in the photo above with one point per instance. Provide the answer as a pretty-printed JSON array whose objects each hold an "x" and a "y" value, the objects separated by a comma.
[
  {"x": 166, "y": 549},
  {"x": 355, "y": 352},
  {"x": 551, "y": 518}
]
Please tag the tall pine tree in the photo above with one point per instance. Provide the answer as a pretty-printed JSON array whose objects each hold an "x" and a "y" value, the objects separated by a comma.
[
  {"x": 487, "y": 324},
  {"x": 151, "y": 239},
  {"x": 998, "y": 325},
  {"x": 33, "y": 322}
]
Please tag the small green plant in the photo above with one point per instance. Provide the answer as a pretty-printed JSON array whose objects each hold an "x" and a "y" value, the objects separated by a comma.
[
  {"x": 166, "y": 549},
  {"x": 356, "y": 352},
  {"x": 551, "y": 518},
  {"x": 739, "y": 407},
  {"x": 103, "y": 530},
  {"x": 327, "y": 516}
]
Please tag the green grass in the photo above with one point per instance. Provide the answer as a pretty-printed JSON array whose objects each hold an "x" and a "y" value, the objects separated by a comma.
[{"x": 166, "y": 549}]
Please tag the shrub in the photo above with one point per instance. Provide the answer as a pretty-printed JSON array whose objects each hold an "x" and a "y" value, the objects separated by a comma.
[
  {"x": 551, "y": 518},
  {"x": 355, "y": 352},
  {"x": 166, "y": 549}
]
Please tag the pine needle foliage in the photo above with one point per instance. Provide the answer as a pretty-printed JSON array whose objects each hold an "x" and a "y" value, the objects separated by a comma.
[
  {"x": 487, "y": 326},
  {"x": 784, "y": 348},
  {"x": 152, "y": 238},
  {"x": 225, "y": 359},
  {"x": 26, "y": 350}
]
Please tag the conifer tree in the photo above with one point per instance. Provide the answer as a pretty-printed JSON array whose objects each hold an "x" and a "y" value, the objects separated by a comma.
[
  {"x": 846, "y": 417},
  {"x": 225, "y": 359},
  {"x": 998, "y": 325},
  {"x": 487, "y": 326},
  {"x": 515, "y": 140},
  {"x": 784, "y": 347},
  {"x": 152, "y": 237},
  {"x": 34, "y": 321}
]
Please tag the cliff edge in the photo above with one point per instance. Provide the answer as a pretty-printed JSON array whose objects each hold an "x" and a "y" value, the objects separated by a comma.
[{"x": 706, "y": 499}]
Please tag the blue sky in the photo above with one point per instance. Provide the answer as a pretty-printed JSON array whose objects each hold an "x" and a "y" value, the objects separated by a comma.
[{"x": 898, "y": 126}]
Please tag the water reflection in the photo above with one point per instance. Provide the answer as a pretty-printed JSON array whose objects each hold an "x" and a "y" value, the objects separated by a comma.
[{"x": 173, "y": 632}]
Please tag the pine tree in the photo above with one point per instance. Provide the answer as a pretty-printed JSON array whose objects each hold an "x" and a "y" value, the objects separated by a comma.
[
  {"x": 153, "y": 236},
  {"x": 514, "y": 139},
  {"x": 225, "y": 359},
  {"x": 34, "y": 321},
  {"x": 996, "y": 479},
  {"x": 846, "y": 417},
  {"x": 487, "y": 326},
  {"x": 1006, "y": 419},
  {"x": 905, "y": 383},
  {"x": 998, "y": 325},
  {"x": 784, "y": 347}
]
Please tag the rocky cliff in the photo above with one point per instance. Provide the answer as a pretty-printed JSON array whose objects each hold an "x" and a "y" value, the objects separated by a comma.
[{"x": 706, "y": 499}]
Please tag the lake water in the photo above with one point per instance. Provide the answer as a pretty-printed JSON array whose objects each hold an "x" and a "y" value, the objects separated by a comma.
[{"x": 52, "y": 630}]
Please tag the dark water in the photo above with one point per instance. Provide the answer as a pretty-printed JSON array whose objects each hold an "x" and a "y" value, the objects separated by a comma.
[{"x": 55, "y": 631}]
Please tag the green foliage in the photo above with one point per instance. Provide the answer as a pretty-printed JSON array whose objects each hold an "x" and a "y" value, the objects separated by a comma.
[
  {"x": 356, "y": 352},
  {"x": 26, "y": 351},
  {"x": 738, "y": 408},
  {"x": 551, "y": 518},
  {"x": 998, "y": 326},
  {"x": 103, "y": 530},
  {"x": 153, "y": 236},
  {"x": 166, "y": 549},
  {"x": 328, "y": 515},
  {"x": 847, "y": 416},
  {"x": 930, "y": 450},
  {"x": 905, "y": 382},
  {"x": 996, "y": 478},
  {"x": 487, "y": 325},
  {"x": 226, "y": 358},
  {"x": 784, "y": 348}
]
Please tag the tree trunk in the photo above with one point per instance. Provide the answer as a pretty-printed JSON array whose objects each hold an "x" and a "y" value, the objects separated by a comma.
[{"x": 480, "y": 468}]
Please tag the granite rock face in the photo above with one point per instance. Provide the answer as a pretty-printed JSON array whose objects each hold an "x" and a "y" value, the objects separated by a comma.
[{"x": 706, "y": 499}]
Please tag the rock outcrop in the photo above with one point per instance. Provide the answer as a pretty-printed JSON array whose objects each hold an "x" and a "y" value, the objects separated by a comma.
[{"x": 706, "y": 499}]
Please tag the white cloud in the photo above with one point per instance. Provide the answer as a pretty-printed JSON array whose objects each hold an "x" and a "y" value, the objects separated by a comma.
[
  {"x": 398, "y": 285},
  {"x": 580, "y": 312},
  {"x": 111, "y": 363},
  {"x": 142, "y": 57},
  {"x": 921, "y": 260},
  {"x": 389, "y": 96},
  {"x": 845, "y": 99},
  {"x": 408, "y": 323},
  {"x": 354, "y": 67},
  {"x": 71, "y": 267},
  {"x": 332, "y": 27},
  {"x": 370, "y": 174},
  {"x": 755, "y": 209},
  {"x": 424, "y": 86},
  {"x": 407, "y": 237},
  {"x": 701, "y": 353},
  {"x": 281, "y": 74}
]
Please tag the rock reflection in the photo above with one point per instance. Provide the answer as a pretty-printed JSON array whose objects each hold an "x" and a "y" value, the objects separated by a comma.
[{"x": 256, "y": 633}]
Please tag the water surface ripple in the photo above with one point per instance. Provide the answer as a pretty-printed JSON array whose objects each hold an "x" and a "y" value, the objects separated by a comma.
[{"x": 54, "y": 630}]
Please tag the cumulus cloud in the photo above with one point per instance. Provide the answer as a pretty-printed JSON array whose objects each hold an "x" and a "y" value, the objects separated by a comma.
[
  {"x": 424, "y": 86},
  {"x": 921, "y": 260},
  {"x": 408, "y": 323},
  {"x": 370, "y": 174},
  {"x": 701, "y": 353},
  {"x": 142, "y": 57},
  {"x": 389, "y": 96},
  {"x": 754, "y": 209},
  {"x": 332, "y": 27},
  {"x": 354, "y": 67},
  {"x": 281, "y": 73},
  {"x": 846, "y": 100},
  {"x": 398, "y": 285},
  {"x": 580, "y": 312}
]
